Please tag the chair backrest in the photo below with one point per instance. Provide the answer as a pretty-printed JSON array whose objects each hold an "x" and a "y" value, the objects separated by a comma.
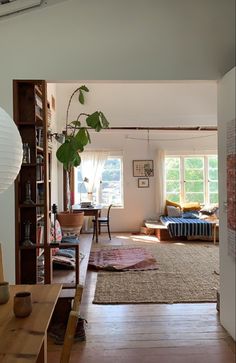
[
  {"x": 108, "y": 211},
  {"x": 71, "y": 326},
  {"x": 69, "y": 336},
  {"x": 77, "y": 298},
  {"x": 1, "y": 265}
]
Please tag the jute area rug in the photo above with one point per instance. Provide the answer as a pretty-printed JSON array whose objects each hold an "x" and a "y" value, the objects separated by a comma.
[{"x": 187, "y": 273}]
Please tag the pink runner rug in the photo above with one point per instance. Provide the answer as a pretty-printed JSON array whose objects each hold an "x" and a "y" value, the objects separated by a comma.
[{"x": 122, "y": 259}]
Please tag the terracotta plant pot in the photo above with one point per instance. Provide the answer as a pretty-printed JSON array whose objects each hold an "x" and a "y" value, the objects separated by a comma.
[{"x": 71, "y": 223}]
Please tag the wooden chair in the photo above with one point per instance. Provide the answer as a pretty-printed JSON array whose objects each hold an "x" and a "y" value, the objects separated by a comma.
[
  {"x": 71, "y": 326},
  {"x": 103, "y": 221},
  {"x": 1, "y": 265}
]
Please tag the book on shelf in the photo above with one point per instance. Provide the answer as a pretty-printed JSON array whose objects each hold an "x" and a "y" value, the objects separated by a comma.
[
  {"x": 39, "y": 136},
  {"x": 38, "y": 101},
  {"x": 40, "y": 237},
  {"x": 39, "y": 168}
]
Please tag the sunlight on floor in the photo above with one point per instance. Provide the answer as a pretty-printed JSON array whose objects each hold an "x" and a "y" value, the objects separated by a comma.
[{"x": 139, "y": 238}]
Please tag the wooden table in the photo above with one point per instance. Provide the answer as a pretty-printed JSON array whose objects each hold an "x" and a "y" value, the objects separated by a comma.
[
  {"x": 92, "y": 211},
  {"x": 24, "y": 340}
]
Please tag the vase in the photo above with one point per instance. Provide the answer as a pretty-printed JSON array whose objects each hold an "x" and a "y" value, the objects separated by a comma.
[
  {"x": 4, "y": 292},
  {"x": 22, "y": 306},
  {"x": 71, "y": 223}
]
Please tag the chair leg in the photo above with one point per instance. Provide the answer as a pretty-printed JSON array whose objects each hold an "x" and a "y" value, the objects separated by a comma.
[
  {"x": 94, "y": 230},
  {"x": 108, "y": 228}
]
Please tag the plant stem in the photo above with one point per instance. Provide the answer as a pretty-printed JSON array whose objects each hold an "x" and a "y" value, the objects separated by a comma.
[{"x": 68, "y": 107}]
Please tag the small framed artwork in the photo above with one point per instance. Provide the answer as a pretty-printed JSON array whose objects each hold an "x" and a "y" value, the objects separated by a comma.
[
  {"x": 143, "y": 168},
  {"x": 143, "y": 182}
]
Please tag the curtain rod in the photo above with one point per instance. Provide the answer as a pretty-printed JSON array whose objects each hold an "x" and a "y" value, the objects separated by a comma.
[{"x": 175, "y": 128}]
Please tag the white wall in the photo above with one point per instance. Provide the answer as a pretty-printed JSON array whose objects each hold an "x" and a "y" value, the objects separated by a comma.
[
  {"x": 149, "y": 104},
  {"x": 226, "y": 112},
  {"x": 51, "y": 92},
  {"x": 70, "y": 41}
]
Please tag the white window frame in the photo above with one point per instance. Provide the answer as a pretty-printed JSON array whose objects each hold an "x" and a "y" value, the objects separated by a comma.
[
  {"x": 205, "y": 176},
  {"x": 117, "y": 155},
  {"x": 112, "y": 155}
]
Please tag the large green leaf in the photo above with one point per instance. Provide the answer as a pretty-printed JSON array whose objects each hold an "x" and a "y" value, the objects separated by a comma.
[
  {"x": 82, "y": 89},
  {"x": 105, "y": 123},
  {"x": 82, "y": 137},
  {"x": 77, "y": 160},
  {"x": 88, "y": 136},
  {"x": 65, "y": 152},
  {"x": 93, "y": 121},
  {"x": 81, "y": 97}
]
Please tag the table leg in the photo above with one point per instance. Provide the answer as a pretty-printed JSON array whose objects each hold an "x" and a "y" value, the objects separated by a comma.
[
  {"x": 42, "y": 357},
  {"x": 96, "y": 221},
  {"x": 214, "y": 233}
]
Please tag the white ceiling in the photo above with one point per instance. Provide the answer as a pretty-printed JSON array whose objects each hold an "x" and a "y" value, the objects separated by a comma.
[{"x": 129, "y": 39}]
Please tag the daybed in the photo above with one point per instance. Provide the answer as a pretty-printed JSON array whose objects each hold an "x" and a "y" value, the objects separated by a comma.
[
  {"x": 189, "y": 221},
  {"x": 178, "y": 227}
]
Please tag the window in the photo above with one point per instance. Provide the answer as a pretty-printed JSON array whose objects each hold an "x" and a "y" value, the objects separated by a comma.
[
  {"x": 192, "y": 179},
  {"x": 110, "y": 189},
  {"x": 112, "y": 182}
]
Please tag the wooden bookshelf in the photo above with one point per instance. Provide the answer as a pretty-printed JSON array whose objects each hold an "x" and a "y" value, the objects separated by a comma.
[{"x": 32, "y": 186}]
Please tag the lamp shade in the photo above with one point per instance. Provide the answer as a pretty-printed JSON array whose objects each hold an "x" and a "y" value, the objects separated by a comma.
[{"x": 10, "y": 150}]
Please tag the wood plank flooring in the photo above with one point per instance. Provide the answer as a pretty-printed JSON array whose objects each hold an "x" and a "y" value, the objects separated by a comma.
[{"x": 148, "y": 333}]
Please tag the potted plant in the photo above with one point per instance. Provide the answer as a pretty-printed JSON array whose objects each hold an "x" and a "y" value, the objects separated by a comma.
[{"x": 76, "y": 137}]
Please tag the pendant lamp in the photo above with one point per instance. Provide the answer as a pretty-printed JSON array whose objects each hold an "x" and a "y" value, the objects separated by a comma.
[{"x": 10, "y": 150}]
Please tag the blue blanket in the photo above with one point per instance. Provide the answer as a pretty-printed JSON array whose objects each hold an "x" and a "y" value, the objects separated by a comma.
[{"x": 187, "y": 227}]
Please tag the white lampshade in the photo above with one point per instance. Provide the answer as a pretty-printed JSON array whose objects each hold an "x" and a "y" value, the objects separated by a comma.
[{"x": 10, "y": 150}]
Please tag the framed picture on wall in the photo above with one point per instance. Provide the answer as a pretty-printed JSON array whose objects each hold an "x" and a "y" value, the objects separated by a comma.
[
  {"x": 143, "y": 168},
  {"x": 143, "y": 182}
]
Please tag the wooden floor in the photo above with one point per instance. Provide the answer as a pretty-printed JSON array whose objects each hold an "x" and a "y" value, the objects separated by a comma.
[{"x": 148, "y": 333}]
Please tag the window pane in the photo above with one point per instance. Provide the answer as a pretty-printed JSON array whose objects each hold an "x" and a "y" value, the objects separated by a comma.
[
  {"x": 213, "y": 179},
  {"x": 213, "y": 187},
  {"x": 193, "y": 163},
  {"x": 172, "y": 187},
  {"x": 214, "y": 198},
  {"x": 111, "y": 193},
  {"x": 172, "y": 174},
  {"x": 111, "y": 175},
  {"x": 194, "y": 197},
  {"x": 194, "y": 187},
  {"x": 111, "y": 186},
  {"x": 193, "y": 174},
  {"x": 172, "y": 163},
  {"x": 213, "y": 162},
  {"x": 213, "y": 174}
]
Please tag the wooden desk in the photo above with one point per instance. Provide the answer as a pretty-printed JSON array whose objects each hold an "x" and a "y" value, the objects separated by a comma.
[
  {"x": 95, "y": 211},
  {"x": 24, "y": 340}
]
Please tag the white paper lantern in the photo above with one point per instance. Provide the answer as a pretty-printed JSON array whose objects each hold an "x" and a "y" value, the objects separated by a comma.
[{"x": 10, "y": 150}]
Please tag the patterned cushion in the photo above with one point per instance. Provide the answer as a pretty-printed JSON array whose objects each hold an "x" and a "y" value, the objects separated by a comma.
[
  {"x": 173, "y": 204},
  {"x": 173, "y": 211},
  {"x": 71, "y": 231},
  {"x": 56, "y": 233}
]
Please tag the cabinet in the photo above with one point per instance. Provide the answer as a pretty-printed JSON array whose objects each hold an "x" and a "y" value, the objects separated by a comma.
[{"x": 33, "y": 185}]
